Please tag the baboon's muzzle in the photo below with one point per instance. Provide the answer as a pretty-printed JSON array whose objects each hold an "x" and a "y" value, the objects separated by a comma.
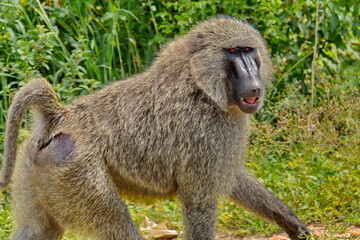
[{"x": 247, "y": 84}]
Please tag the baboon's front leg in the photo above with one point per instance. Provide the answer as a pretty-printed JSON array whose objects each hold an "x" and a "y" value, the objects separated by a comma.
[
  {"x": 199, "y": 213},
  {"x": 251, "y": 194}
]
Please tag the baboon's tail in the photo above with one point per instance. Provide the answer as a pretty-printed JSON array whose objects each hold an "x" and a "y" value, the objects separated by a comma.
[{"x": 37, "y": 93}]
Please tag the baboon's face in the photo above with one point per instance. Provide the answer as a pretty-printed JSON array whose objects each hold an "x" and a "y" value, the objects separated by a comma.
[
  {"x": 247, "y": 87},
  {"x": 231, "y": 59}
]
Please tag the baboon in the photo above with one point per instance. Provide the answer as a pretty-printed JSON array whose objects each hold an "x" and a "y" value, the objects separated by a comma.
[{"x": 178, "y": 129}]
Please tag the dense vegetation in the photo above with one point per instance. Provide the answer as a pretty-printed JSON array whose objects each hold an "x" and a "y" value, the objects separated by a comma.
[{"x": 304, "y": 142}]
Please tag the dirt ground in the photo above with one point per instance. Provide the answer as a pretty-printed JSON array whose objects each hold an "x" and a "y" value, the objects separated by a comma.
[{"x": 320, "y": 231}]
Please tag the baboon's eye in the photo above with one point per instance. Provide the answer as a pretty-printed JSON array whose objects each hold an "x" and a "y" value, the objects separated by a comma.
[
  {"x": 240, "y": 49},
  {"x": 233, "y": 50}
]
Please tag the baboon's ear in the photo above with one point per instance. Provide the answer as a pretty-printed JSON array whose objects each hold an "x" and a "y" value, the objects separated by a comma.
[
  {"x": 209, "y": 73},
  {"x": 200, "y": 35},
  {"x": 216, "y": 90},
  {"x": 197, "y": 41}
]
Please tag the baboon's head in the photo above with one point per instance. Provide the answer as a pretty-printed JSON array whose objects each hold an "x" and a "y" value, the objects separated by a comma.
[{"x": 230, "y": 63}]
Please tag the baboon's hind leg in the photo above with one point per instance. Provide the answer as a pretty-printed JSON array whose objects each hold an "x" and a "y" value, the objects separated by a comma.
[
  {"x": 49, "y": 231},
  {"x": 96, "y": 211},
  {"x": 31, "y": 219}
]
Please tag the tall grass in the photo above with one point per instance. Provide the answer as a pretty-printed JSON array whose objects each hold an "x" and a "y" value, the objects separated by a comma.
[{"x": 77, "y": 45}]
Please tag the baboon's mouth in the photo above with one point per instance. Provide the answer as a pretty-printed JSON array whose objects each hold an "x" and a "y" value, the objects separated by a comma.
[
  {"x": 251, "y": 100},
  {"x": 249, "y": 104}
]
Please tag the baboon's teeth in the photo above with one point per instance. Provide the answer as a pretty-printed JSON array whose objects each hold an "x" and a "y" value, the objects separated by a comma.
[{"x": 251, "y": 100}]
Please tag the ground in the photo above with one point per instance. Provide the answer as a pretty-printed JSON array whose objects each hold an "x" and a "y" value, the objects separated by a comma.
[{"x": 319, "y": 231}]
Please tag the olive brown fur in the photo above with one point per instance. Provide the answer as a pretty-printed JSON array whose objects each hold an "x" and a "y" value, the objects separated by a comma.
[{"x": 178, "y": 129}]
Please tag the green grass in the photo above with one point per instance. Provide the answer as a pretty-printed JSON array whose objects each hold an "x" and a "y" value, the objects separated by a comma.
[{"x": 310, "y": 159}]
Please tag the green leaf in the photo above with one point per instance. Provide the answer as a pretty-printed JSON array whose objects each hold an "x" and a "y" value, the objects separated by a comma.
[{"x": 334, "y": 22}]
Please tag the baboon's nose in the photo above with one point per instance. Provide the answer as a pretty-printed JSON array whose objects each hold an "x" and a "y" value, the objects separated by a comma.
[{"x": 257, "y": 89}]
